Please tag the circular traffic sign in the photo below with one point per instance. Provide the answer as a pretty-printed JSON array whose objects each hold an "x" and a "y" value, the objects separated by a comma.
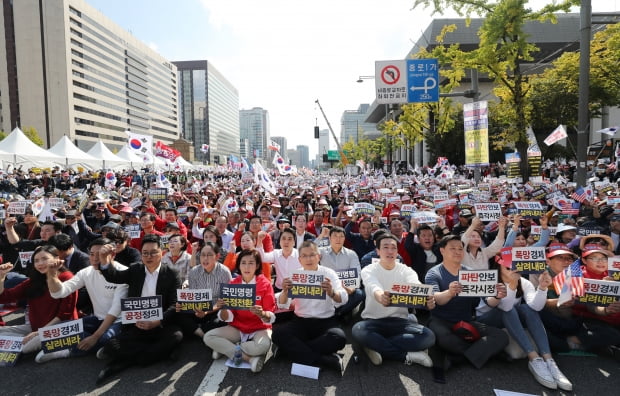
[{"x": 390, "y": 74}]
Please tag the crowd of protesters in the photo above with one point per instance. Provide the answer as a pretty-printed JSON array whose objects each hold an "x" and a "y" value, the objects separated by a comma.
[{"x": 108, "y": 241}]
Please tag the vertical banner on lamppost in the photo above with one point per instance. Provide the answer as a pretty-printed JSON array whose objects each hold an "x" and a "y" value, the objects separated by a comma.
[{"x": 476, "y": 120}]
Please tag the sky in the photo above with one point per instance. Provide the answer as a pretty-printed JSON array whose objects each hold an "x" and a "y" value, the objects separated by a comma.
[{"x": 282, "y": 55}]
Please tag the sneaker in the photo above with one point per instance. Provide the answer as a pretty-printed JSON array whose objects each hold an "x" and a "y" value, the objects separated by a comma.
[
  {"x": 46, "y": 357},
  {"x": 215, "y": 355},
  {"x": 560, "y": 379},
  {"x": 420, "y": 357},
  {"x": 374, "y": 356},
  {"x": 101, "y": 354},
  {"x": 256, "y": 363},
  {"x": 541, "y": 373}
]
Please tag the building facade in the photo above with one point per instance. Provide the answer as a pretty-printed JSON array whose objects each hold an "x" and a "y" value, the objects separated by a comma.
[
  {"x": 323, "y": 148},
  {"x": 354, "y": 126},
  {"x": 209, "y": 111},
  {"x": 281, "y": 140},
  {"x": 254, "y": 126},
  {"x": 304, "y": 156},
  {"x": 71, "y": 71}
]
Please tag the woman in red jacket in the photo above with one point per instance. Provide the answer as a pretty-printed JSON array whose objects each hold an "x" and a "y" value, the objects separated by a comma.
[
  {"x": 43, "y": 310},
  {"x": 251, "y": 329}
]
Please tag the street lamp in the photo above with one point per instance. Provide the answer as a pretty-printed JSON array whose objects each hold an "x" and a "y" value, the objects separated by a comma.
[{"x": 361, "y": 79}]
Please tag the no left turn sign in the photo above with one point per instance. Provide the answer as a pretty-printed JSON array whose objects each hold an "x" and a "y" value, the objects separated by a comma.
[
  {"x": 390, "y": 74},
  {"x": 391, "y": 81}
]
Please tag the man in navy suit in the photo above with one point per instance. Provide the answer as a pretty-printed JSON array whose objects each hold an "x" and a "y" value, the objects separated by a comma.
[
  {"x": 144, "y": 342},
  {"x": 75, "y": 260}
]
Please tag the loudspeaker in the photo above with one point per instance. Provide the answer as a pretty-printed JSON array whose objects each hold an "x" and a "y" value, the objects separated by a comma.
[{"x": 316, "y": 132}]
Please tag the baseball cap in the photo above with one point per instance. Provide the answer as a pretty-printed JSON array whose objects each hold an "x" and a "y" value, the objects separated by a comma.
[
  {"x": 111, "y": 224},
  {"x": 465, "y": 213},
  {"x": 593, "y": 248},
  {"x": 556, "y": 249}
]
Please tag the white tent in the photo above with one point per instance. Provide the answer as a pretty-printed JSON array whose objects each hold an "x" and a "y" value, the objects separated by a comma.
[
  {"x": 21, "y": 151},
  {"x": 182, "y": 163},
  {"x": 108, "y": 160},
  {"x": 73, "y": 155},
  {"x": 133, "y": 159}
]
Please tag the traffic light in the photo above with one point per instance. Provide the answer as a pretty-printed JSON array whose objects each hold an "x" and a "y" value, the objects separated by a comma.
[{"x": 316, "y": 132}]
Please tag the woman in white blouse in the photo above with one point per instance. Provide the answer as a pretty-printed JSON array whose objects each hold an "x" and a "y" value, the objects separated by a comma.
[{"x": 518, "y": 311}]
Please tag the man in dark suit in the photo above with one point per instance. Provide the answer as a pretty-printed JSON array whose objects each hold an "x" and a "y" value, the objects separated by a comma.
[
  {"x": 301, "y": 221},
  {"x": 144, "y": 342},
  {"x": 75, "y": 260}
]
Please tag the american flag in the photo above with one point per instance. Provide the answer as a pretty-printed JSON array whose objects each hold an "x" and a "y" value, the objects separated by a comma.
[
  {"x": 571, "y": 208},
  {"x": 579, "y": 195},
  {"x": 575, "y": 277}
]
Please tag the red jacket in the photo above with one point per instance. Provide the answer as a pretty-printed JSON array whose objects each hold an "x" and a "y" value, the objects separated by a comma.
[
  {"x": 582, "y": 309},
  {"x": 42, "y": 309},
  {"x": 246, "y": 321}
]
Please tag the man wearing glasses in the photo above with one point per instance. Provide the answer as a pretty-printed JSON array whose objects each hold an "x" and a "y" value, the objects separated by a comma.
[
  {"x": 149, "y": 341},
  {"x": 313, "y": 336}
]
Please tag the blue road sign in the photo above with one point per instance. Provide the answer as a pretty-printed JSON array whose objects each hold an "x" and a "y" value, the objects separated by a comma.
[{"x": 422, "y": 80}]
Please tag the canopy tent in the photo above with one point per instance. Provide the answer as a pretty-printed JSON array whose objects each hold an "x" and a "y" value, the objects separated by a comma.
[
  {"x": 108, "y": 160},
  {"x": 73, "y": 155},
  {"x": 22, "y": 151},
  {"x": 129, "y": 156},
  {"x": 180, "y": 162}
]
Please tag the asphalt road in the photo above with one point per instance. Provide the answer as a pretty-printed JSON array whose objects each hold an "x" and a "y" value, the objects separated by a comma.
[{"x": 184, "y": 376}]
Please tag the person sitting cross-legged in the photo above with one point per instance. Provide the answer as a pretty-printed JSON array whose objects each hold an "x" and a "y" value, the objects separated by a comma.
[
  {"x": 387, "y": 331},
  {"x": 313, "y": 336}
]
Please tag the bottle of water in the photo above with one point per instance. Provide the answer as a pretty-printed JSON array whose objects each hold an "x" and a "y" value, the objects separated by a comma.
[{"x": 238, "y": 357}]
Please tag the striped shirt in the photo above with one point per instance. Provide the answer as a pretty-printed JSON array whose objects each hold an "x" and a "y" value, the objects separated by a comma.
[{"x": 201, "y": 279}]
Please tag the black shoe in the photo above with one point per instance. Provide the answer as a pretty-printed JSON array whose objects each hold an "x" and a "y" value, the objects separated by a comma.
[
  {"x": 333, "y": 362},
  {"x": 439, "y": 375},
  {"x": 109, "y": 370}
]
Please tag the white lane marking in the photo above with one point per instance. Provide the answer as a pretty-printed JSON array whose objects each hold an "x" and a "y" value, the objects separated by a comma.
[{"x": 211, "y": 382}]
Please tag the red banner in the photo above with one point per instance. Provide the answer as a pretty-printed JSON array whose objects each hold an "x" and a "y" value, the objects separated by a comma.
[{"x": 161, "y": 150}]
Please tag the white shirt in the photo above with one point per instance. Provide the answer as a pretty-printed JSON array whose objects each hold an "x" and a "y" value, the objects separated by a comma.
[
  {"x": 376, "y": 278},
  {"x": 105, "y": 296},
  {"x": 314, "y": 308},
  {"x": 150, "y": 282},
  {"x": 283, "y": 265}
]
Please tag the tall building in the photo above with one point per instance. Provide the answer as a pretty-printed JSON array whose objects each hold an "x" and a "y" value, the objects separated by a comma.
[
  {"x": 281, "y": 140},
  {"x": 323, "y": 148},
  {"x": 354, "y": 126},
  {"x": 304, "y": 156},
  {"x": 293, "y": 156},
  {"x": 209, "y": 106},
  {"x": 254, "y": 126},
  {"x": 69, "y": 70}
]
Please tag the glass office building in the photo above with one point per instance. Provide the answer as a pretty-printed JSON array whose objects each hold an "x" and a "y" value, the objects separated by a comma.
[{"x": 209, "y": 111}]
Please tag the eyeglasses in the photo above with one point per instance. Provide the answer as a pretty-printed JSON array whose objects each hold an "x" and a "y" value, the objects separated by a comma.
[
  {"x": 151, "y": 253},
  {"x": 307, "y": 256}
]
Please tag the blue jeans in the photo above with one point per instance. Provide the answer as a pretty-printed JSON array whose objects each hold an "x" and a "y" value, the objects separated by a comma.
[
  {"x": 393, "y": 337},
  {"x": 355, "y": 299},
  {"x": 514, "y": 321},
  {"x": 91, "y": 324}
]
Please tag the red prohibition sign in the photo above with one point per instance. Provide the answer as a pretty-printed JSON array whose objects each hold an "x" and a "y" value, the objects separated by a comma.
[{"x": 390, "y": 74}]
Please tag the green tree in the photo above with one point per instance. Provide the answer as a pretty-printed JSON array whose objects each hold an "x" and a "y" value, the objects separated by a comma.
[
  {"x": 555, "y": 92},
  {"x": 33, "y": 135},
  {"x": 368, "y": 150},
  {"x": 2, "y": 135},
  {"x": 502, "y": 50}
]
